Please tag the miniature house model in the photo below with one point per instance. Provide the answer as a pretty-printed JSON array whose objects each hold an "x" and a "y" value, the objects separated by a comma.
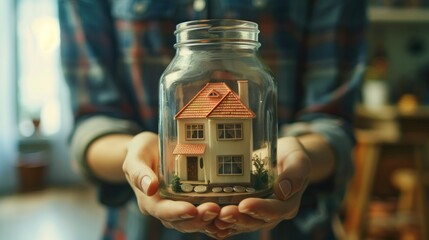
[{"x": 214, "y": 136}]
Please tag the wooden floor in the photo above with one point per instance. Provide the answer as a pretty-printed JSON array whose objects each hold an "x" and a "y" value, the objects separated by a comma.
[{"x": 52, "y": 214}]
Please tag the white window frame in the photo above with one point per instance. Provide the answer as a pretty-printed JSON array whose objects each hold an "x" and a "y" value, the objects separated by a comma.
[
  {"x": 234, "y": 132},
  {"x": 227, "y": 163},
  {"x": 194, "y": 128}
]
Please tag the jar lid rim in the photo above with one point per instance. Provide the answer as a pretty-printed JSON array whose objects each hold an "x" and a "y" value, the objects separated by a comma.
[
  {"x": 217, "y": 31},
  {"x": 217, "y": 25}
]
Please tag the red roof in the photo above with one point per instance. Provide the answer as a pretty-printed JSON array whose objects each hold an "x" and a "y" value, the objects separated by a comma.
[
  {"x": 215, "y": 100},
  {"x": 187, "y": 149}
]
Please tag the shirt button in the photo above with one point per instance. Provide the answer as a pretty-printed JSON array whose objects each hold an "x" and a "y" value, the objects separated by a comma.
[
  {"x": 199, "y": 5},
  {"x": 139, "y": 7}
]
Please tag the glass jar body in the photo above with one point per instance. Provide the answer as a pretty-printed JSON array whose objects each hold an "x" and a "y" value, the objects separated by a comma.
[{"x": 218, "y": 125}]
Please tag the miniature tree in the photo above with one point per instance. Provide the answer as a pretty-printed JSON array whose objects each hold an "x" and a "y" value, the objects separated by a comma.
[
  {"x": 175, "y": 183},
  {"x": 260, "y": 174}
]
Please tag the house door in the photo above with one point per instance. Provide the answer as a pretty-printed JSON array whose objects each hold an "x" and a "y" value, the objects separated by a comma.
[{"x": 192, "y": 163}]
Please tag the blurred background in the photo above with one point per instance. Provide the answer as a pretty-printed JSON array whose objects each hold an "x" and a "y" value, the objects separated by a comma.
[{"x": 41, "y": 196}]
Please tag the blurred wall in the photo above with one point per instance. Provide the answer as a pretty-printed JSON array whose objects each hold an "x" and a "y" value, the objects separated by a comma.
[
  {"x": 7, "y": 95},
  {"x": 405, "y": 46},
  {"x": 59, "y": 170}
]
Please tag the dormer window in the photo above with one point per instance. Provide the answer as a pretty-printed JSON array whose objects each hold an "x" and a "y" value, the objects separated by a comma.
[{"x": 213, "y": 93}]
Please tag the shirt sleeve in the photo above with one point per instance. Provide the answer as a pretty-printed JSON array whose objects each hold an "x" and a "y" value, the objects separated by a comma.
[
  {"x": 329, "y": 73},
  {"x": 99, "y": 101},
  {"x": 90, "y": 130}
]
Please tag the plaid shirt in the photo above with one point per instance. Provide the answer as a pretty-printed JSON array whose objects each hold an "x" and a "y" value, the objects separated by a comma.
[{"x": 113, "y": 53}]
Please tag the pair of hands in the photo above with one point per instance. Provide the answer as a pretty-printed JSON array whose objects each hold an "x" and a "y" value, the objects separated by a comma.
[{"x": 251, "y": 214}]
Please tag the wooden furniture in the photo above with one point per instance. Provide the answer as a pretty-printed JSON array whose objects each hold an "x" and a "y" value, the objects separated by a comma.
[{"x": 392, "y": 162}]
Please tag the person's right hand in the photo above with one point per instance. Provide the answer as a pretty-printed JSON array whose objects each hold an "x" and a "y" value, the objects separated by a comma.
[{"x": 140, "y": 168}]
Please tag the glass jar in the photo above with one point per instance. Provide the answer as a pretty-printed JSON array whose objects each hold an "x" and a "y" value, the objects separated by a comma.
[{"x": 218, "y": 115}]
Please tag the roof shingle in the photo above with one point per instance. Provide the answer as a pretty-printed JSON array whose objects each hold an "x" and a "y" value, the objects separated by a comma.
[{"x": 206, "y": 105}]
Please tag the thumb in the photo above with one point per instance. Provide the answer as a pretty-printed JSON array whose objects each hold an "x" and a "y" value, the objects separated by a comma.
[
  {"x": 140, "y": 164},
  {"x": 146, "y": 180},
  {"x": 293, "y": 174}
]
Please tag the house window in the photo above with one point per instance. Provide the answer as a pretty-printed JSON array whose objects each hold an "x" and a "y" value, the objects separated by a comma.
[
  {"x": 230, "y": 165},
  {"x": 213, "y": 93},
  {"x": 194, "y": 132},
  {"x": 230, "y": 131}
]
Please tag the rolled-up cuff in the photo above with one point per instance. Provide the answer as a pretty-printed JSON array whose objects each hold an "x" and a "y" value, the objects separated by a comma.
[
  {"x": 110, "y": 194},
  {"x": 90, "y": 130},
  {"x": 335, "y": 134}
]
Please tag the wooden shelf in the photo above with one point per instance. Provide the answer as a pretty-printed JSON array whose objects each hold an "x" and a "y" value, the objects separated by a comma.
[
  {"x": 398, "y": 15},
  {"x": 392, "y": 112}
]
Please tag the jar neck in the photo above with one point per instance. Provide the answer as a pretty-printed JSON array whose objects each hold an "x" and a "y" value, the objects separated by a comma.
[{"x": 218, "y": 34}]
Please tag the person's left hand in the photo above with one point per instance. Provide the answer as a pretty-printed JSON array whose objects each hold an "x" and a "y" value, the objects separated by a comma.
[
  {"x": 252, "y": 214},
  {"x": 140, "y": 168}
]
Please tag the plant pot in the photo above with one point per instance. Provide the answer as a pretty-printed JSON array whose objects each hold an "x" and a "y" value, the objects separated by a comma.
[{"x": 32, "y": 171}]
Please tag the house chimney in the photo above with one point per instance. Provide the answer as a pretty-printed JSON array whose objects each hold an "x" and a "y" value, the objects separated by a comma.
[{"x": 243, "y": 92}]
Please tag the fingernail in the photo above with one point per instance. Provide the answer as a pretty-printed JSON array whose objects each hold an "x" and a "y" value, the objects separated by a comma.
[
  {"x": 231, "y": 225},
  {"x": 186, "y": 216},
  {"x": 209, "y": 231},
  {"x": 145, "y": 183},
  {"x": 208, "y": 216},
  {"x": 226, "y": 234},
  {"x": 228, "y": 219},
  {"x": 247, "y": 211},
  {"x": 285, "y": 188}
]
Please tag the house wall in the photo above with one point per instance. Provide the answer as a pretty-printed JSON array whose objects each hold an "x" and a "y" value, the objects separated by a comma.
[
  {"x": 214, "y": 148},
  {"x": 230, "y": 147},
  {"x": 181, "y": 166},
  {"x": 181, "y": 136}
]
